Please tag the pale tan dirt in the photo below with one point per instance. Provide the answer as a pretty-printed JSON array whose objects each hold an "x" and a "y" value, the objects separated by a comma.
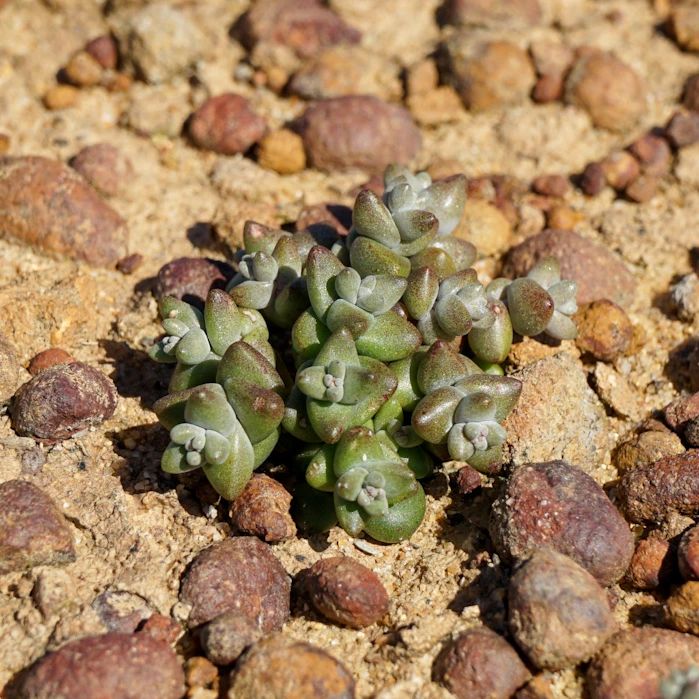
[{"x": 134, "y": 530}]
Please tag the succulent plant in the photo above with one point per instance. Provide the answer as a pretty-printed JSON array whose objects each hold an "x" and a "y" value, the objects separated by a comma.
[
  {"x": 681, "y": 684},
  {"x": 369, "y": 380}
]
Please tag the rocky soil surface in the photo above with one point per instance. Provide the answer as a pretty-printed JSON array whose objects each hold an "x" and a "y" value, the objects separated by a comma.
[{"x": 135, "y": 133}]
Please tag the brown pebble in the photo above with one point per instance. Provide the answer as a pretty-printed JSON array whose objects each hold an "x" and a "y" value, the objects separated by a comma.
[
  {"x": 558, "y": 505},
  {"x": 634, "y": 661},
  {"x": 262, "y": 509},
  {"x": 4, "y": 143},
  {"x": 648, "y": 492},
  {"x": 162, "y": 628},
  {"x": 684, "y": 24},
  {"x": 598, "y": 272},
  {"x": 646, "y": 448},
  {"x": 620, "y": 169},
  {"x": 47, "y": 205},
  {"x": 200, "y": 672},
  {"x": 117, "y": 82},
  {"x": 104, "y": 166},
  {"x": 304, "y": 26},
  {"x": 130, "y": 263},
  {"x": 608, "y": 89},
  {"x": 61, "y": 97},
  {"x": 104, "y": 50},
  {"x": 238, "y": 574},
  {"x": 282, "y": 151},
  {"x": 652, "y": 565},
  {"x": 120, "y": 610},
  {"x": 127, "y": 666},
  {"x": 282, "y": 667},
  {"x": 191, "y": 278},
  {"x": 654, "y": 154},
  {"x": 682, "y": 608},
  {"x": 558, "y": 613},
  {"x": 82, "y": 70},
  {"x": 688, "y": 554},
  {"x": 592, "y": 179},
  {"x": 61, "y": 401},
  {"x": 551, "y": 185},
  {"x": 683, "y": 129},
  {"x": 33, "y": 531},
  {"x": 551, "y": 57},
  {"x": 604, "y": 330},
  {"x": 488, "y": 75},
  {"x": 548, "y": 88},
  {"x": 642, "y": 189},
  {"x": 564, "y": 218},
  {"x": 681, "y": 411},
  {"x": 468, "y": 480},
  {"x": 358, "y": 131},
  {"x": 421, "y": 77},
  {"x": 48, "y": 358},
  {"x": 344, "y": 591},
  {"x": 226, "y": 124},
  {"x": 515, "y": 14},
  {"x": 224, "y": 638},
  {"x": 480, "y": 664}
]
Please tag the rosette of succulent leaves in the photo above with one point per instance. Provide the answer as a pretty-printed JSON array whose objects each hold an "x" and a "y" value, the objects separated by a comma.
[{"x": 387, "y": 359}]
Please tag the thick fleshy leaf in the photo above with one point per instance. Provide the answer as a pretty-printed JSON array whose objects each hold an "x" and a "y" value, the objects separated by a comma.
[
  {"x": 504, "y": 390},
  {"x": 369, "y": 257},
  {"x": 295, "y": 420},
  {"x": 452, "y": 315},
  {"x": 462, "y": 253},
  {"x": 442, "y": 366},
  {"x": 475, "y": 407},
  {"x": 223, "y": 321},
  {"x": 421, "y": 292},
  {"x": 260, "y": 410},
  {"x": 217, "y": 449},
  {"x": 358, "y": 447},
  {"x": 288, "y": 304},
  {"x": 174, "y": 459},
  {"x": 416, "y": 225},
  {"x": 405, "y": 370},
  {"x": 319, "y": 472},
  {"x": 390, "y": 337},
  {"x": 388, "y": 414},
  {"x": 446, "y": 200},
  {"x": 564, "y": 295},
  {"x": 561, "y": 327},
  {"x": 339, "y": 346},
  {"x": 546, "y": 272},
  {"x": 310, "y": 381},
  {"x": 378, "y": 293},
  {"x": 418, "y": 460},
  {"x": 437, "y": 259},
  {"x": 486, "y": 461},
  {"x": 371, "y": 219},
  {"x": 170, "y": 307},
  {"x": 288, "y": 258},
  {"x": 313, "y": 510},
  {"x": 209, "y": 408},
  {"x": 347, "y": 284},
  {"x": 348, "y": 515},
  {"x": 158, "y": 354},
  {"x": 343, "y": 314},
  {"x": 492, "y": 344},
  {"x": 229, "y": 478},
  {"x": 321, "y": 269},
  {"x": 264, "y": 448},
  {"x": 193, "y": 348},
  {"x": 260, "y": 238},
  {"x": 308, "y": 335},
  {"x": 184, "y": 376},
  {"x": 242, "y": 362},
  {"x": 402, "y": 519},
  {"x": 170, "y": 408},
  {"x": 398, "y": 480},
  {"x": 263, "y": 347},
  {"x": 433, "y": 416},
  {"x": 530, "y": 306},
  {"x": 349, "y": 485},
  {"x": 460, "y": 447},
  {"x": 253, "y": 294}
]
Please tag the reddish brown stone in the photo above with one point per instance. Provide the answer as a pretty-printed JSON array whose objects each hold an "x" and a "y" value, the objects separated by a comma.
[
  {"x": 130, "y": 263},
  {"x": 344, "y": 591},
  {"x": 305, "y": 26},
  {"x": 604, "y": 330},
  {"x": 162, "y": 628},
  {"x": 480, "y": 664},
  {"x": 104, "y": 167},
  {"x": 652, "y": 565},
  {"x": 127, "y": 666},
  {"x": 48, "y": 358},
  {"x": 282, "y": 667},
  {"x": 484, "y": 13},
  {"x": 358, "y": 131},
  {"x": 688, "y": 554},
  {"x": 63, "y": 400},
  {"x": 104, "y": 50},
  {"x": 643, "y": 189},
  {"x": 690, "y": 92},
  {"x": 620, "y": 169},
  {"x": 598, "y": 272},
  {"x": 649, "y": 492},
  {"x": 558, "y": 613},
  {"x": 191, "y": 278},
  {"x": 468, "y": 480},
  {"x": 226, "y": 124},
  {"x": 47, "y": 205},
  {"x": 225, "y": 638},
  {"x": 83, "y": 70},
  {"x": 557, "y": 505},
  {"x": 683, "y": 129},
  {"x": 239, "y": 574},
  {"x": 548, "y": 88},
  {"x": 262, "y": 509},
  {"x": 551, "y": 185},
  {"x": 646, "y": 447},
  {"x": 32, "y": 529},
  {"x": 634, "y": 661},
  {"x": 681, "y": 411},
  {"x": 683, "y": 608},
  {"x": 592, "y": 179},
  {"x": 654, "y": 154}
]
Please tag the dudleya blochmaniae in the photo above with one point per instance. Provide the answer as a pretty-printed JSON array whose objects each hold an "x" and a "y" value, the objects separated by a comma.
[{"x": 392, "y": 361}]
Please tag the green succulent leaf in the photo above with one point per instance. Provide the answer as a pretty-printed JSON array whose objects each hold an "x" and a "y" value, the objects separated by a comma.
[
  {"x": 371, "y": 219},
  {"x": 369, "y": 257},
  {"x": 530, "y": 306}
]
